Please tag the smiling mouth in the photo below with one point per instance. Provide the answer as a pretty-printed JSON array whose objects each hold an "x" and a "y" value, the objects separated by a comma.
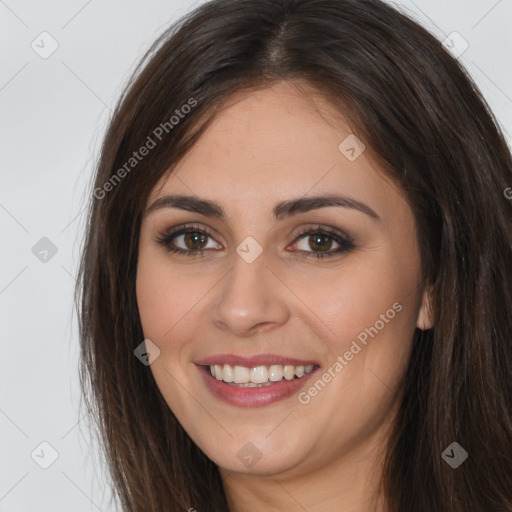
[{"x": 257, "y": 376}]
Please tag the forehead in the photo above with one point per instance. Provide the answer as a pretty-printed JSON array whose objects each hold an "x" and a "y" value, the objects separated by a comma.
[{"x": 274, "y": 143}]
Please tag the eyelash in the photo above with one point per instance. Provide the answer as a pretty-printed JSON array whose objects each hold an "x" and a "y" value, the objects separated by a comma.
[{"x": 345, "y": 241}]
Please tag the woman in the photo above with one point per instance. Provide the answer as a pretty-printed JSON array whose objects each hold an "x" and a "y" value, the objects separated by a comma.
[{"x": 296, "y": 282}]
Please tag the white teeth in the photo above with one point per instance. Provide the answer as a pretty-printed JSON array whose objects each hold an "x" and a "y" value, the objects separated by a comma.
[
  {"x": 241, "y": 374},
  {"x": 228, "y": 373},
  {"x": 289, "y": 372},
  {"x": 253, "y": 385},
  {"x": 275, "y": 373},
  {"x": 258, "y": 376}
]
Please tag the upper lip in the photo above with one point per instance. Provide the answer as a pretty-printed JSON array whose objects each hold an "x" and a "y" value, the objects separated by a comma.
[{"x": 252, "y": 361}]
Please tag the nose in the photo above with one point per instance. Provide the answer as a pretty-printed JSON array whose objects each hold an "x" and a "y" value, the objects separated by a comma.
[{"x": 250, "y": 299}]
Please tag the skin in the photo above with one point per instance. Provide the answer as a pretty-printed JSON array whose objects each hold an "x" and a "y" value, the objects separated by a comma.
[{"x": 267, "y": 146}]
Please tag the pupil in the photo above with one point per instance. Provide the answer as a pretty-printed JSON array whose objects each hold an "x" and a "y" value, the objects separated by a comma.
[
  {"x": 195, "y": 238},
  {"x": 316, "y": 242}
]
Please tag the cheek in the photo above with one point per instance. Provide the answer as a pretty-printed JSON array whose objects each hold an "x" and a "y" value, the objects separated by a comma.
[
  {"x": 351, "y": 299},
  {"x": 164, "y": 296},
  {"x": 365, "y": 312},
  {"x": 153, "y": 302},
  {"x": 365, "y": 316}
]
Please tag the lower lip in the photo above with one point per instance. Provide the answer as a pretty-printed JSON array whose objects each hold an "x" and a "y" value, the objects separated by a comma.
[{"x": 253, "y": 397}]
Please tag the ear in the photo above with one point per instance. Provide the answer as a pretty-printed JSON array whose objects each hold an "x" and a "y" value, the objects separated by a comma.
[{"x": 426, "y": 315}]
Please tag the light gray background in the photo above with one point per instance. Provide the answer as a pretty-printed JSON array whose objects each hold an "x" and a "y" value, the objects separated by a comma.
[{"x": 53, "y": 113}]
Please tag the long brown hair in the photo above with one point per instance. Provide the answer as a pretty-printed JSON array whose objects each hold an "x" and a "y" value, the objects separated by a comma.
[{"x": 417, "y": 109}]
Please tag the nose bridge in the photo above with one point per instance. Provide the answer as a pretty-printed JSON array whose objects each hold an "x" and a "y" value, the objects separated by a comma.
[{"x": 249, "y": 297}]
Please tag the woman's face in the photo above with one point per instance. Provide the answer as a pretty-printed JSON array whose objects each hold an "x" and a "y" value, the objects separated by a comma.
[{"x": 314, "y": 301}]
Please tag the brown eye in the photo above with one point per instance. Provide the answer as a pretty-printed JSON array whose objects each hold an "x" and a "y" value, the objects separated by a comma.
[
  {"x": 188, "y": 240},
  {"x": 318, "y": 242},
  {"x": 195, "y": 240}
]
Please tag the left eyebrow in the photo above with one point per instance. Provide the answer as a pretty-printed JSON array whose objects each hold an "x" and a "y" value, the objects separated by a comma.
[{"x": 281, "y": 211}]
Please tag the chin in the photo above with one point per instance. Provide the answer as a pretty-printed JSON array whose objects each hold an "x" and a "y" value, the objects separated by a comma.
[{"x": 257, "y": 453}]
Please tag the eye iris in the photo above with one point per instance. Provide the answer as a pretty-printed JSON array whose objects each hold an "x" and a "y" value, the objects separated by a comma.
[
  {"x": 315, "y": 242},
  {"x": 195, "y": 238}
]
